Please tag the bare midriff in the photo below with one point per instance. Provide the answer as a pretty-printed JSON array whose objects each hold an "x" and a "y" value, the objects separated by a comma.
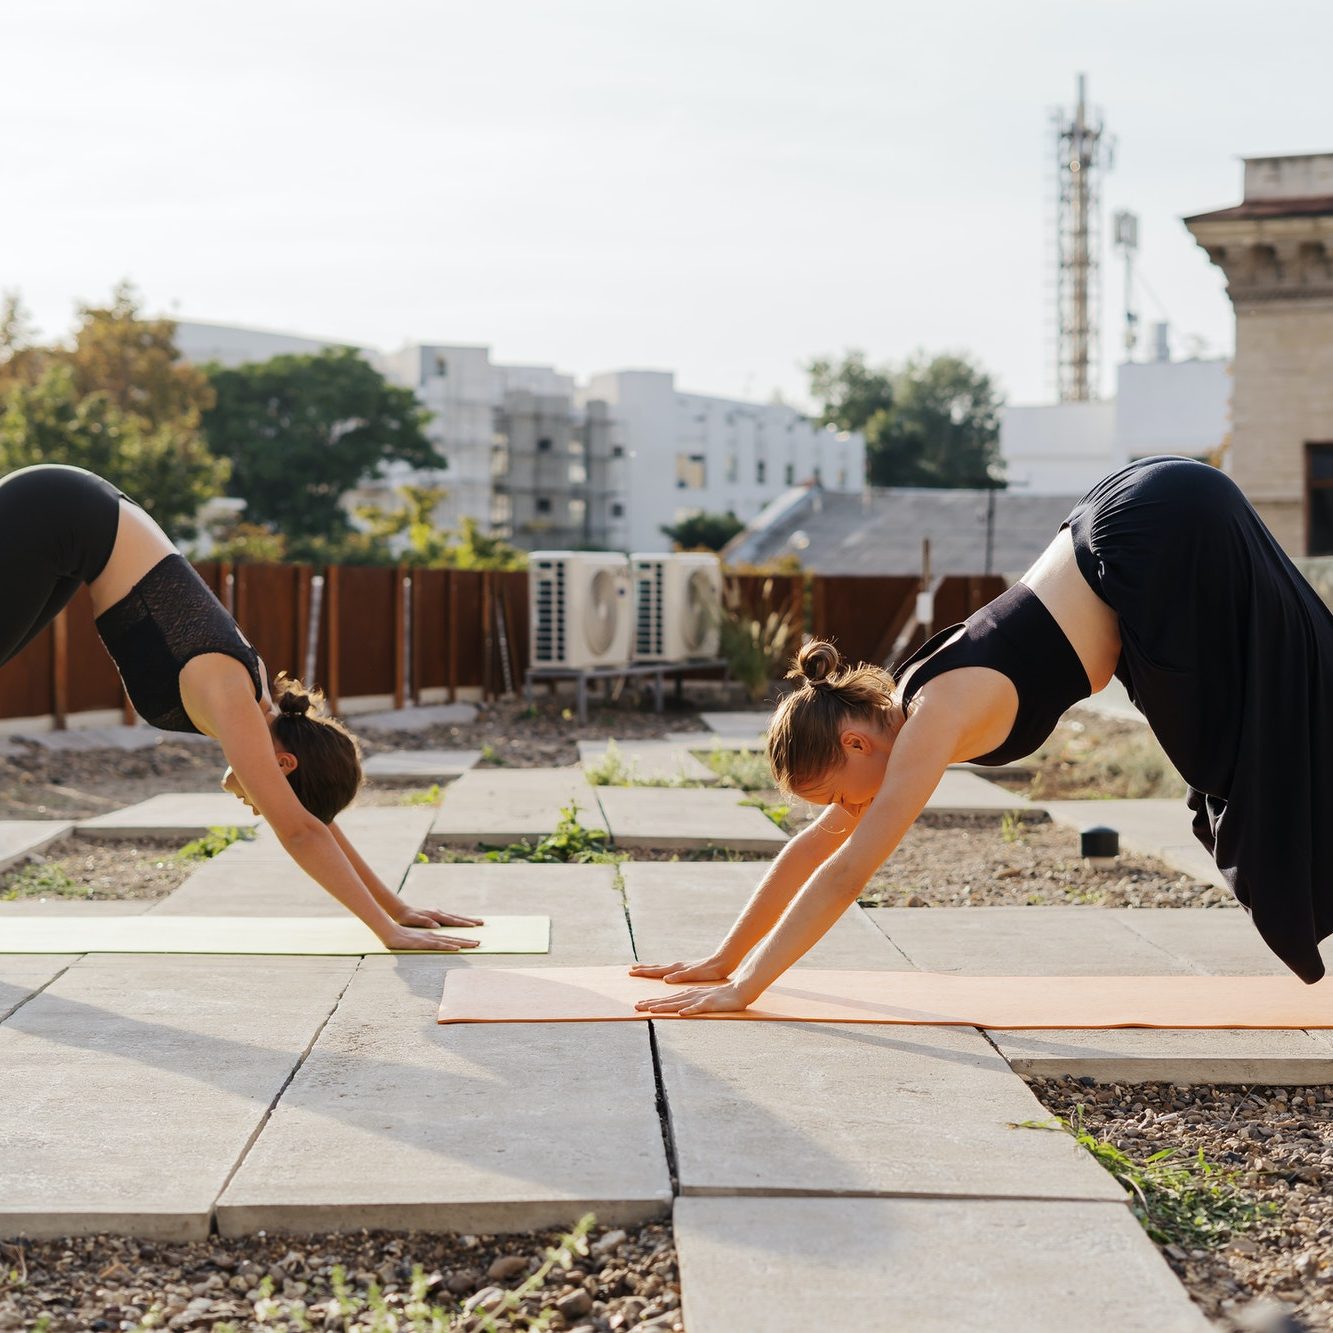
[{"x": 140, "y": 544}]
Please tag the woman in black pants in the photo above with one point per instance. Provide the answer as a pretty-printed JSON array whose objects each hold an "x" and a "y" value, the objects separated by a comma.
[
  {"x": 187, "y": 667},
  {"x": 1162, "y": 575}
]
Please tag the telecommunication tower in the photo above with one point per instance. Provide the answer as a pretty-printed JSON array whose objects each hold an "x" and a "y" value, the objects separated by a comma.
[{"x": 1083, "y": 151}]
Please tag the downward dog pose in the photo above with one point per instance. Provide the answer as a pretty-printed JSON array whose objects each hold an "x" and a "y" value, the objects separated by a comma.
[
  {"x": 187, "y": 667},
  {"x": 1162, "y": 575}
]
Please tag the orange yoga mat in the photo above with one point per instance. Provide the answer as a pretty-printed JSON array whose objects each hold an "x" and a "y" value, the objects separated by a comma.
[{"x": 608, "y": 994}]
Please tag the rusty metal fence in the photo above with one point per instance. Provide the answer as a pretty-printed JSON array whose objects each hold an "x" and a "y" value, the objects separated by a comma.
[{"x": 400, "y": 635}]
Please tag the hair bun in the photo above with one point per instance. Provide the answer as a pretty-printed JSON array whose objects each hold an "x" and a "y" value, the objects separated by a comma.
[
  {"x": 817, "y": 661},
  {"x": 293, "y": 699}
]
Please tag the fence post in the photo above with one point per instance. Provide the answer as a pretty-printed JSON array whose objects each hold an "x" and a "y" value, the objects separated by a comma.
[
  {"x": 332, "y": 620},
  {"x": 451, "y": 583},
  {"x": 400, "y": 586},
  {"x": 487, "y": 633}
]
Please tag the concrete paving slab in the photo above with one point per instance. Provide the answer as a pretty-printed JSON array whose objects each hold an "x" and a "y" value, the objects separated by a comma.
[
  {"x": 183, "y": 815},
  {"x": 588, "y": 926},
  {"x": 928, "y": 1265},
  {"x": 649, "y": 761},
  {"x": 964, "y": 793},
  {"x": 22, "y": 978},
  {"x": 259, "y": 878},
  {"x": 112, "y": 738},
  {"x": 22, "y": 908},
  {"x": 683, "y": 819},
  {"x": 500, "y": 805},
  {"x": 1142, "y": 1055},
  {"x": 1159, "y": 828},
  {"x": 21, "y": 839},
  {"x": 457, "y": 1129},
  {"x": 413, "y": 719},
  {"x": 682, "y": 910},
  {"x": 801, "y": 1108},
  {"x": 1113, "y": 702},
  {"x": 1024, "y": 941},
  {"x": 1221, "y": 941},
  {"x": 712, "y": 740},
  {"x": 742, "y": 723},
  {"x": 133, "y": 1086},
  {"x": 420, "y": 765}
]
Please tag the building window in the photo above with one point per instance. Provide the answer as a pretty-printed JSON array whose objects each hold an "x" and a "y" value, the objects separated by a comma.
[
  {"x": 617, "y": 509},
  {"x": 842, "y": 478},
  {"x": 1319, "y": 499},
  {"x": 760, "y": 472},
  {"x": 441, "y": 367},
  {"x": 789, "y": 475},
  {"x": 733, "y": 468},
  {"x": 691, "y": 472},
  {"x": 543, "y": 505},
  {"x": 617, "y": 451},
  {"x": 544, "y": 445}
]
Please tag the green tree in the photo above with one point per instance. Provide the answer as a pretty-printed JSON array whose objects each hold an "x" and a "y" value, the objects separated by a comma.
[
  {"x": 934, "y": 421},
  {"x": 426, "y": 544},
  {"x": 301, "y": 431},
  {"x": 712, "y": 531},
  {"x": 476, "y": 549},
  {"x": 165, "y": 467},
  {"x": 21, "y": 359}
]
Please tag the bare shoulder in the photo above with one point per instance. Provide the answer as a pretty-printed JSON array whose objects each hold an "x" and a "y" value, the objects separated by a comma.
[
  {"x": 963, "y": 712},
  {"x": 217, "y": 690}
]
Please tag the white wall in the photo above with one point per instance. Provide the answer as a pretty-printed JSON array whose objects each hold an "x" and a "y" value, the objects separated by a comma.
[
  {"x": 739, "y": 443},
  {"x": 1160, "y": 407},
  {"x": 233, "y": 346}
]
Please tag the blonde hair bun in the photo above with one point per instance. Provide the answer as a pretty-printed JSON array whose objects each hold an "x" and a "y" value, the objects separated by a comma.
[
  {"x": 293, "y": 698},
  {"x": 817, "y": 661}
]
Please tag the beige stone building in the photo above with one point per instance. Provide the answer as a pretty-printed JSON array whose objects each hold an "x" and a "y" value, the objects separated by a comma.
[{"x": 1276, "y": 249}]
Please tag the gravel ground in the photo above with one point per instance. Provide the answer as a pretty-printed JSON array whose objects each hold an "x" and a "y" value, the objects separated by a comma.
[
  {"x": 1279, "y": 1141},
  {"x": 982, "y": 861},
  {"x": 145, "y": 868},
  {"x": 96, "y": 1283}
]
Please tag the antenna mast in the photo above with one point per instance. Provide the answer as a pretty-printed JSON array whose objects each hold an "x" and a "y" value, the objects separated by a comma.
[{"x": 1083, "y": 152}]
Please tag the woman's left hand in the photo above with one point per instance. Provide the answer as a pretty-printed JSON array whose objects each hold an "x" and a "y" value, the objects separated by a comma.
[
  {"x": 430, "y": 917},
  {"x": 701, "y": 1000}
]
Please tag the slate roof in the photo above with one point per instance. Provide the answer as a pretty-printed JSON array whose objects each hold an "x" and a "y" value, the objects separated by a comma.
[{"x": 881, "y": 532}]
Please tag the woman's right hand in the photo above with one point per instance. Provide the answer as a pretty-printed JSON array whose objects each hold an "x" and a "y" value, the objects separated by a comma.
[
  {"x": 407, "y": 937},
  {"x": 710, "y": 969}
]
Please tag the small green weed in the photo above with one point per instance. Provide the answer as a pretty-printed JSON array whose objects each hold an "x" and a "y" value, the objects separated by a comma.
[
  {"x": 1011, "y": 826},
  {"x": 570, "y": 843},
  {"x": 746, "y": 769},
  {"x": 1190, "y": 1202},
  {"x": 42, "y": 879},
  {"x": 214, "y": 841},
  {"x": 431, "y": 796},
  {"x": 777, "y": 813},
  {"x": 610, "y": 770},
  {"x": 490, "y": 755}
]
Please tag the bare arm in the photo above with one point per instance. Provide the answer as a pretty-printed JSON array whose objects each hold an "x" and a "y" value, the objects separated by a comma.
[
  {"x": 401, "y": 912},
  {"x": 793, "y": 865},
  {"x": 921, "y": 753}
]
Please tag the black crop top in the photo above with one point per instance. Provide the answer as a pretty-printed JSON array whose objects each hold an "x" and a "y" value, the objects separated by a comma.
[
  {"x": 167, "y": 618},
  {"x": 1016, "y": 635}
]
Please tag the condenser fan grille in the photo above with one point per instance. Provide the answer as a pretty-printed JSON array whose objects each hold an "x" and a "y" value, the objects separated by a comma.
[
  {"x": 698, "y": 611},
  {"x": 599, "y": 617}
]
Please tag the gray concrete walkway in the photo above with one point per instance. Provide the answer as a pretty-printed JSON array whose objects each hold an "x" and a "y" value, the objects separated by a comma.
[
  {"x": 420, "y": 765},
  {"x": 685, "y": 819},
  {"x": 22, "y": 839},
  {"x": 503, "y": 805},
  {"x": 183, "y": 815},
  {"x": 648, "y": 761}
]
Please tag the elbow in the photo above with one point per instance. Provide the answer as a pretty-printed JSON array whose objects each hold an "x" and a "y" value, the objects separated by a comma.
[{"x": 300, "y": 834}]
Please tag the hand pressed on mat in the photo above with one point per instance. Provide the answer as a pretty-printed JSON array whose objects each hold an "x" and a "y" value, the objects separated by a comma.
[
  {"x": 429, "y": 918},
  {"x": 722, "y": 999}
]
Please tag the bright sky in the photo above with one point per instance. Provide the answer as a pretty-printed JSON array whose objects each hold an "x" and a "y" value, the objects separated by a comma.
[{"x": 723, "y": 188}]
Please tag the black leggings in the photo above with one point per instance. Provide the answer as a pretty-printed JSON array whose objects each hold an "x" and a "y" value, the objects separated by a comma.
[{"x": 57, "y": 528}]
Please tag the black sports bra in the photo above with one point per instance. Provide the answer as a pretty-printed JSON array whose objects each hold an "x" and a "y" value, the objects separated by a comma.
[
  {"x": 1016, "y": 635},
  {"x": 167, "y": 618}
]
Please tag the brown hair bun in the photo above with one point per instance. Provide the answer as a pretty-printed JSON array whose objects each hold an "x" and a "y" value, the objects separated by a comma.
[
  {"x": 817, "y": 661},
  {"x": 293, "y": 698}
]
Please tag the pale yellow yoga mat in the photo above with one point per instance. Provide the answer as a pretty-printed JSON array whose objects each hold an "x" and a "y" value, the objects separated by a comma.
[
  {"x": 310, "y": 935},
  {"x": 608, "y": 994}
]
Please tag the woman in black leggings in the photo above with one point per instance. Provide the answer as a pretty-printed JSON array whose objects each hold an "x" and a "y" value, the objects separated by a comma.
[
  {"x": 1164, "y": 576},
  {"x": 187, "y": 667}
]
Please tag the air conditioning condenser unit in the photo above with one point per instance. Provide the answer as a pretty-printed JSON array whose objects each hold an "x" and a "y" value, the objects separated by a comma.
[
  {"x": 677, "y": 605},
  {"x": 579, "y": 608}
]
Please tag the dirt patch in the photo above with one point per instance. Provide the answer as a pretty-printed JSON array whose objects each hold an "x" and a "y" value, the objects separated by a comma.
[
  {"x": 265, "y": 1282},
  {"x": 1278, "y": 1141},
  {"x": 77, "y": 784},
  {"x": 83, "y": 869},
  {"x": 984, "y": 861}
]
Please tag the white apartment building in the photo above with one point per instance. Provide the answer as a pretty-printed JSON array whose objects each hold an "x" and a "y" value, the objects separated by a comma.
[
  {"x": 1160, "y": 407},
  {"x": 687, "y": 453},
  {"x": 231, "y": 345}
]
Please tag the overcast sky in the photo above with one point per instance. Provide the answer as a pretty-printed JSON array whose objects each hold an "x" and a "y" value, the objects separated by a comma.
[{"x": 724, "y": 189}]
